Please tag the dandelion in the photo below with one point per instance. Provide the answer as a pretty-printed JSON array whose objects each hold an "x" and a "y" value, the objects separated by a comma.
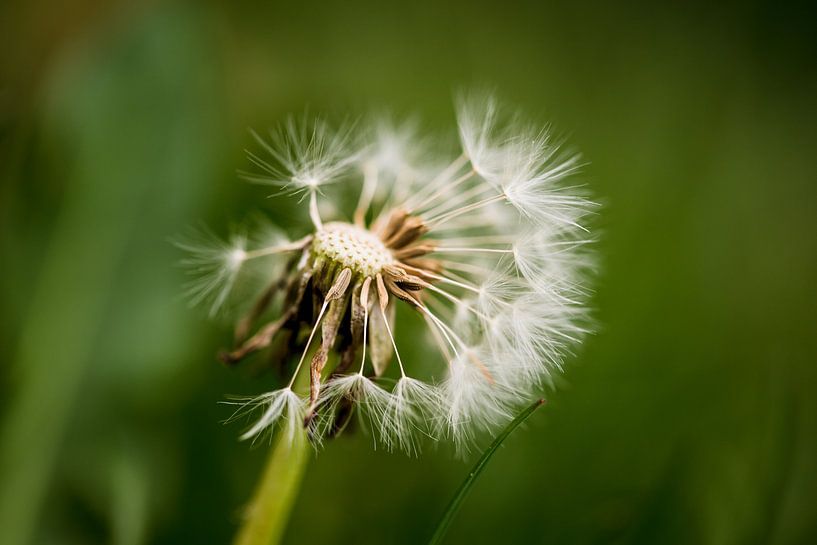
[{"x": 489, "y": 249}]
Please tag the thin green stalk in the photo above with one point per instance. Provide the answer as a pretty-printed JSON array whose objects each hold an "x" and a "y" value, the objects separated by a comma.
[
  {"x": 465, "y": 487},
  {"x": 266, "y": 516}
]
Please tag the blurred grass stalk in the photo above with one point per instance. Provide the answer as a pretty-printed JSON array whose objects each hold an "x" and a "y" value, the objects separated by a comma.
[
  {"x": 64, "y": 318},
  {"x": 109, "y": 107},
  {"x": 57, "y": 346},
  {"x": 266, "y": 516}
]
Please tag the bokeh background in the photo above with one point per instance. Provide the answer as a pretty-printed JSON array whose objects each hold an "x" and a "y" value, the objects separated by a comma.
[{"x": 690, "y": 417}]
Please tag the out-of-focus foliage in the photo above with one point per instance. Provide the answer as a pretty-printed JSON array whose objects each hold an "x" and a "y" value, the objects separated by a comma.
[{"x": 689, "y": 418}]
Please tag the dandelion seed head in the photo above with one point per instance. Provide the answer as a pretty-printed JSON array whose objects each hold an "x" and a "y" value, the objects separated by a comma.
[{"x": 488, "y": 248}]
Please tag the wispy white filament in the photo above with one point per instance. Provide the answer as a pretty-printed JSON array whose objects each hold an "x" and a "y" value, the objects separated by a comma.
[
  {"x": 303, "y": 156},
  {"x": 412, "y": 412},
  {"x": 282, "y": 409},
  {"x": 214, "y": 265}
]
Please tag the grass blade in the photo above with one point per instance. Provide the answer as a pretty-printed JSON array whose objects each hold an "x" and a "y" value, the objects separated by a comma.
[{"x": 465, "y": 487}]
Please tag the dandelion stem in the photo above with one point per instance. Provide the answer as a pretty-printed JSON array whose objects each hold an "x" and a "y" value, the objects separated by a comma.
[{"x": 265, "y": 518}]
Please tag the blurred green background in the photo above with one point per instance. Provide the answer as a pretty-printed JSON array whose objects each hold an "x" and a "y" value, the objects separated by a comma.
[{"x": 690, "y": 417}]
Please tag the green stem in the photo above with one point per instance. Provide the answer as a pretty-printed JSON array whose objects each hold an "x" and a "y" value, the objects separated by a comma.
[{"x": 266, "y": 517}]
